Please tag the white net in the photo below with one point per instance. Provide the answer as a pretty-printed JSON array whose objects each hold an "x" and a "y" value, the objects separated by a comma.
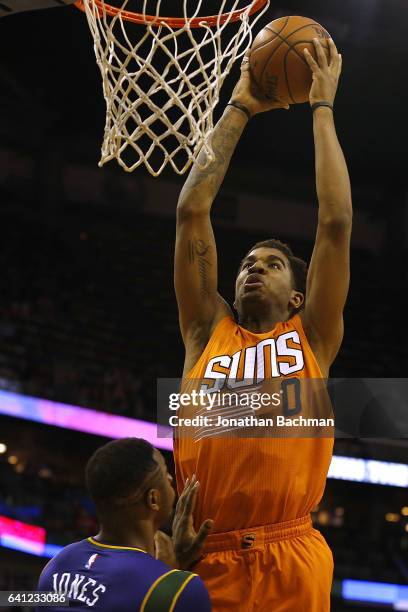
[{"x": 161, "y": 83}]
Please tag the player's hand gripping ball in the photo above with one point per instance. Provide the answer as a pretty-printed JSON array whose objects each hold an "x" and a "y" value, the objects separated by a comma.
[
  {"x": 278, "y": 63},
  {"x": 325, "y": 72},
  {"x": 247, "y": 92}
]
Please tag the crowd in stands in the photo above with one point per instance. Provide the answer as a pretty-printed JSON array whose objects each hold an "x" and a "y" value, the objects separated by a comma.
[
  {"x": 38, "y": 498},
  {"x": 77, "y": 323}
]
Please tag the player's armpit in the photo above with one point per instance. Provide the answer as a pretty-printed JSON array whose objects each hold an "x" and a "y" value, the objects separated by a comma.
[
  {"x": 195, "y": 274},
  {"x": 327, "y": 287}
]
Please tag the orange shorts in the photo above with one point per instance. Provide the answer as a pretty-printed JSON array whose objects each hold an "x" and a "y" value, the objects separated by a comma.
[{"x": 285, "y": 567}]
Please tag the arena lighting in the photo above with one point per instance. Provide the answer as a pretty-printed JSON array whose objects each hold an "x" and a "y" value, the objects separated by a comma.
[
  {"x": 114, "y": 426},
  {"x": 367, "y": 470},
  {"x": 22, "y": 536},
  {"x": 376, "y": 592},
  {"x": 80, "y": 419},
  {"x": 392, "y": 517},
  {"x": 26, "y": 538}
]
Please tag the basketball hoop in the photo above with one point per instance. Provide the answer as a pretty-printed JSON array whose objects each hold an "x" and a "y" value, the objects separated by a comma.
[
  {"x": 174, "y": 22},
  {"x": 161, "y": 90}
]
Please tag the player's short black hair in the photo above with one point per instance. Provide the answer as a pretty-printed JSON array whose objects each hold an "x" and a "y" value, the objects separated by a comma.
[
  {"x": 118, "y": 469},
  {"x": 297, "y": 265}
]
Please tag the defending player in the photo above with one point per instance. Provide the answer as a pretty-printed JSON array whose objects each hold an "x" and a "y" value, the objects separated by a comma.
[
  {"x": 265, "y": 554},
  {"x": 117, "y": 570}
]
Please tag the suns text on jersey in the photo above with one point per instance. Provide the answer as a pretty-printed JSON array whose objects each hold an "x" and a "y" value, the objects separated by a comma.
[{"x": 269, "y": 358}]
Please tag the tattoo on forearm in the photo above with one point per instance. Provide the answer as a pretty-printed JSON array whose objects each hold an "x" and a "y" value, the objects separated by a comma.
[
  {"x": 224, "y": 140},
  {"x": 190, "y": 252},
  {"x": 197, "y": 252}
]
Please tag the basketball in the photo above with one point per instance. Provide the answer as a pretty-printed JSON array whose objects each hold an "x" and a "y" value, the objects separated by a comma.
[{"x": 277, "y": 61}]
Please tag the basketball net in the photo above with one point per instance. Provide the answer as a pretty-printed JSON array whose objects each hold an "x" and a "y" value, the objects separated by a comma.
[{"x": 161, "y": 90}]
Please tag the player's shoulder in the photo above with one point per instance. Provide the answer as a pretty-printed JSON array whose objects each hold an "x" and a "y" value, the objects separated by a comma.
[
  {"x": 177, "y": 590},
  {"x": 297, "y": 323},
  {"x": 70, "y": 550},
  {"x": 63, "y": 558},
  {"x": 194, "y": 596},
  {"x": 88, "y": 551},
  {"x": 66, "y": 552}
]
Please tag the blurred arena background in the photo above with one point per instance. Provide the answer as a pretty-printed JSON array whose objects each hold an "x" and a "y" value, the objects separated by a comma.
[{"x": 87, "y": 310}]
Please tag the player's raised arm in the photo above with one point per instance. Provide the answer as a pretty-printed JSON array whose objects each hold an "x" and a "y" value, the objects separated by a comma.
[
  {"x": 184, "y": 549},
  {"x": 195, "y": 265},
  {"x": 200, "y": 306},
  {"x": 329, "y": 272},
  {"x": 188, "y": 544}
]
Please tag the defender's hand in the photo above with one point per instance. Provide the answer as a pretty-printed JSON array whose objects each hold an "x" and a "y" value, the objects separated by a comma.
[
  {"x": 326, "y": 73},
  {"x": 188, "y": 544},
  {"x": 164, "y": 550},
  {"x": 247, "y": 92}
]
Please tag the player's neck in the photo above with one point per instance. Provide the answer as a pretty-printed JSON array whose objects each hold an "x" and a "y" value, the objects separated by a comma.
[
  {"x": 139, "y": 535},
  {"x": 262, "y": 322}
]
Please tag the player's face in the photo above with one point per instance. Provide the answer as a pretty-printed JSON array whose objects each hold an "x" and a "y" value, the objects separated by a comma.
[
  {"x": 168, "y": 494},
  {"x": 264, "y": 275}
]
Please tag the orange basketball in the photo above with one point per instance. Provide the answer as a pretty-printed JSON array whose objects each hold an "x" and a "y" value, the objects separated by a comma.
[{"x": 277, "y": 62}]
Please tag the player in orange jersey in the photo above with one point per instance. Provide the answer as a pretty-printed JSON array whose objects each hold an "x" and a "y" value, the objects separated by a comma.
[{"x": 264, "y": 554}]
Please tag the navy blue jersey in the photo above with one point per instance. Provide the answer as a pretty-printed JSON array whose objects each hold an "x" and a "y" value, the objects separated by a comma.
[{"x": 117, "y": 578}]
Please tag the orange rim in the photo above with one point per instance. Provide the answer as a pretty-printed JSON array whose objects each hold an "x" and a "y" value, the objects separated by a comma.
[{"x": 174, "y": 22}]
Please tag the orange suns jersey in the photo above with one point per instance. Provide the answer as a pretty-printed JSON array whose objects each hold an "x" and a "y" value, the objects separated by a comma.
[{"x": 248, "y": 481}]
